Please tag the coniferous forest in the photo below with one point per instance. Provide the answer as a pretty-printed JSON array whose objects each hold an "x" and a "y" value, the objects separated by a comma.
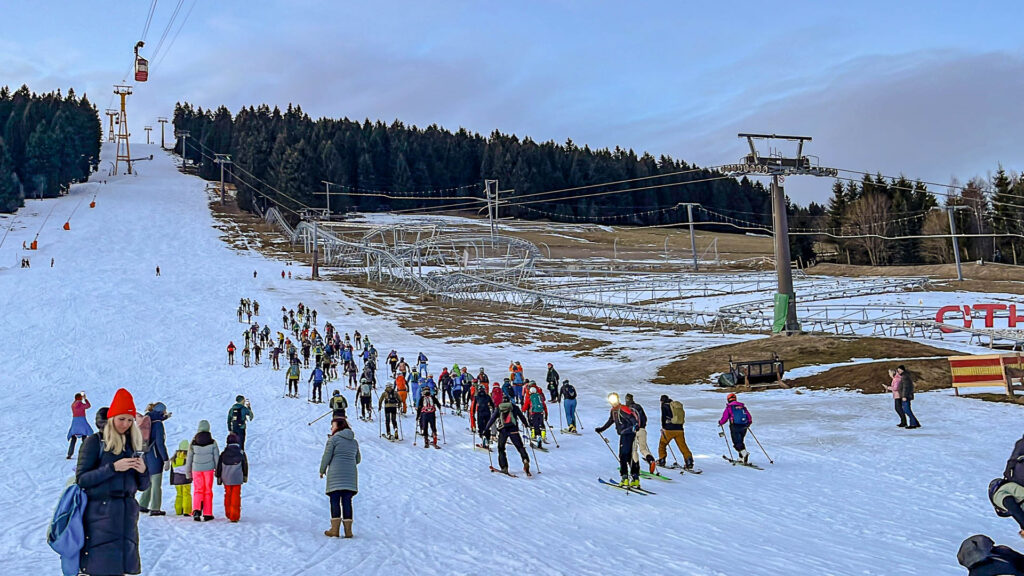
[
  {"x": 283, "y": 158},
  {"x": 47, "y": 142}
]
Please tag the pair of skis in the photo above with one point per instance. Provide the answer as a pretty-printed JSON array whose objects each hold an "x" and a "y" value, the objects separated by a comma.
[
  {"x": 631, "y": 489},
  {"x": 511, "y": 475},
  {"x": 742, "y": 463},
  {"x": 682, "y": 470}
]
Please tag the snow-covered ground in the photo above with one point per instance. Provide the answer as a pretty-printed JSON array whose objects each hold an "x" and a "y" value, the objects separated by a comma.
[{"x": 849, "y": 493}]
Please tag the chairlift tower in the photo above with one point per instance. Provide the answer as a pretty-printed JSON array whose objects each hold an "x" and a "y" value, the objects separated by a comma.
[
  {"x": 147, "y": 129},
  {"x": 163, "y": 124},
  {"x": 122, "y": 131},
  {"x": 315, "y": 215},
  {"x": 112, "y": 116},
  {"x": 778, "y": 167},
  {"x": 222, "y": 159}
]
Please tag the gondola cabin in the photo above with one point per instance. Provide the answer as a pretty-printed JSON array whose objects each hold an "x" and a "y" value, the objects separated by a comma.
[{"x": 141, "y": 69}]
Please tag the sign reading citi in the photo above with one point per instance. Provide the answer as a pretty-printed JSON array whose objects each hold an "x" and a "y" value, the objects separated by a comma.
[{"x": 989, "y": 310}]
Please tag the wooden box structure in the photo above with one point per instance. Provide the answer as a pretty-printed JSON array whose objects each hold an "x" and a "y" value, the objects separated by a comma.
[
  {"x": 988, "y": 370},
  {"x": 754, "y": 373}
]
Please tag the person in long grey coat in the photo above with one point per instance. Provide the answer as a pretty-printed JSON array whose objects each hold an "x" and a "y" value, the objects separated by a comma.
[{"x": 341, "y": 456}]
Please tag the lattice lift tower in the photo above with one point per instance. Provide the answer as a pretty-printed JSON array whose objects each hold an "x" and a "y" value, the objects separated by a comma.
[
  {"x": 112, "y": 116},
  {"x": 122, "y": 130}
]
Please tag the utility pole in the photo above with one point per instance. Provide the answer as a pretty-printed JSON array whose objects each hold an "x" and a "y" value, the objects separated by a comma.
[
  {"x": 952, "y": 235},
  {"x": 491, "y": 192},
  {"x": 163, "y": 123},
  {"x": 222, "y": 159},
  {"x": 777, "y": 166},
  {"x": 122, "y": 132},
  {"x": 693, "y": 241},
  {"x": 147, "y": 129},
  {"x": 327, "y": 186}
]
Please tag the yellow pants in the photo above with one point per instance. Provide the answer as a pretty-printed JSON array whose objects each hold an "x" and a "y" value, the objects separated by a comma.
[
  {"x": 183, "y": 499},
  {"x": 667, "y": 436}
]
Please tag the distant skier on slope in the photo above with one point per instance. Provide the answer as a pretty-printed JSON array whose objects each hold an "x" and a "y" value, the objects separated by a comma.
[
  {"x": 673, "y": 418},
  {"x": 388, "y": 404},
  {"x": 537, "y": 410},
  {"x": 480, "y": 412},
  {"x": 365, "y": 397},
  {"x": 567, "y": 394},
  {"x": 426, "y": 415},
  {"x": 292, "y": 376},
  {"x": 552, "y": 380}
]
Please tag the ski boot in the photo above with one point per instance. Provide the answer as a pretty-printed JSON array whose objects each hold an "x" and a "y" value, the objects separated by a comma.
[
  {"x": 634, "y": 483},
  {"x": 197, "y": 515},
  {"x": 624, "y": 482},
  {"x": 661, "y": 462},
  {"x": 652, "y": 463},
  {"x": 435, "y": 442},
  {"x": 526, "y": 467},
  {"x": 744, "y": 455},
  {"x": 688, "y": 464},
  {"x": 207, "y": 518},
  {"x": 426, "y": 442}
]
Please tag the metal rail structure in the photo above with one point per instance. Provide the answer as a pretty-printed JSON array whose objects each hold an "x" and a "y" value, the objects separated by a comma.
[{"x": 430, "y": 257}]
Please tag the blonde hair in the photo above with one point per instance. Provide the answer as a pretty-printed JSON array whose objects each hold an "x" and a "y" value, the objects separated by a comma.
[
  {"x": 891, "y": 372},
  {"x": 114, "y": 441}
]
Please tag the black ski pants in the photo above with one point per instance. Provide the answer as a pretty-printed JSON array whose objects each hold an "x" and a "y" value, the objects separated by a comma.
[
  {"x": 318, "y": 391},
  {"x": 391, "y": 418},
  {"x": 504, "y": 435},
  {"x": 738, "y": 433},
  {"x": 365, "y": 410},
  {"x": 482, "y": 417},
  {"x": 628, "y": 466},
  {"x": 537, "y": 424},
  {"x": 898, "y": 404},
  {"x": 428, "y": 420}
]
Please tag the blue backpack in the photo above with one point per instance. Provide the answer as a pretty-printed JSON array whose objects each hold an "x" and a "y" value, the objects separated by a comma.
[
  {"x": 66, "y": 534},
  {"x": 740, "y": 416}
]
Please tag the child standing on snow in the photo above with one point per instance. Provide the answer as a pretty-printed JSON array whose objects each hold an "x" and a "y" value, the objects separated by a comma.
[
  {"x": 739, "y": 419},
  {"x": 232, "y": 472},
  {"x": 200, "y": 464},
  {"x": 182, "y": 484}
]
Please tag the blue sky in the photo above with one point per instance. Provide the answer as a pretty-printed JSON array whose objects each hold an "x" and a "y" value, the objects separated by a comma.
[{"x": 929, "y": 89}]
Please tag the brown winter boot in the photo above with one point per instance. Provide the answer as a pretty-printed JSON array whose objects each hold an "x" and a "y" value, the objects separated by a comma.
[
  {"x": 348, "y": 528},
  {"x": 335, "y": 525}
]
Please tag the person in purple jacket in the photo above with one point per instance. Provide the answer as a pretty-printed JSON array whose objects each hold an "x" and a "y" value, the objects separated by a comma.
[{"x": 739, "y": 419}]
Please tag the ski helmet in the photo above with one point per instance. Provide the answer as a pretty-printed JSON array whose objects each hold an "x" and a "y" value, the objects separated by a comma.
[
  {"x": 336, "y": 393},
  {"x": 731, "y": 397}
]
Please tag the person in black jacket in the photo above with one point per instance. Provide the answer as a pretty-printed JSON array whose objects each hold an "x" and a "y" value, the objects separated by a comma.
[
  {"x": 552, "y": 380},
  {"x": 508, "y": 415},
  {"x": 482, "y": 408},
  {"x": 626, "y": 425},
  {"x": 982, "y": 557},
  {"x": 1015, "y": 465},
  {"x": 906, "y": 390},
  {"x": 110, "y": 470}
]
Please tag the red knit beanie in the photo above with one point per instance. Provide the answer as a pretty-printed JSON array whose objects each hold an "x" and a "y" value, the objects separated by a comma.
[{"x": 123, "y": 403}]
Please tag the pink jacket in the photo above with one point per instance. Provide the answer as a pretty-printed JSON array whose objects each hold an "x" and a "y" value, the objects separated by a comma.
[
  {"x": 895, "y": 386},
  {"x": 78, "y": 408},
  {"x": 727, "y": 413}
]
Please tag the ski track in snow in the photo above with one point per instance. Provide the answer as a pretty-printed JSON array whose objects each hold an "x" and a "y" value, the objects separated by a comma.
[{"x": 849, "y": 493}]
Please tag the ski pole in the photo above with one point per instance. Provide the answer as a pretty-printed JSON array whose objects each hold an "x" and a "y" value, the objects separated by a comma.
[
  {"x": 576, "y": 418},
  {"x": 415, "y": 431},
  {"x": 552, "y": 434},
  {"x": 401, "y": 435},
  {"x": 672, "y": 450},
  {"x": 608, "y": 444},
  {"x": 727, "y": 447},
  {"x": 380, "y": 431},
  {"x": 443, "y": 439},
  {"x": 559, "y": 402},
  {"x": 490, "y": 459},
  {"x": 761, "y": 447},
  {"x": 320, "y": 417},
  {"x": 533, "y": 450}
]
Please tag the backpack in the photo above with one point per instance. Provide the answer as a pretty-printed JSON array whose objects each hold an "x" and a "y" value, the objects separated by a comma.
[
  {"x": 678, "y": 414},
  {"x": 740, "y": 416},
  {"x": 569, "y": 392},
  {"x": 144, "y": 426},
  {"x": 993, "y": 487},
  {"x": 237, "y": 418},
  {"x": 66, "y": 534},
  {"x": 428, "y": 405},
  {"x": 508, "y": 415},
  {"x": 365, "y": 389},
  {"x": 536, "y": 403}
]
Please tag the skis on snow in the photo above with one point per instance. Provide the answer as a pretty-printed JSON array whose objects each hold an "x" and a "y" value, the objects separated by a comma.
[
  {"x": 654, "y": 476},
  {"x": 742, "y": 463},
  {"x": 633, "y": 489},
  {"x": 509, "y": 474}
]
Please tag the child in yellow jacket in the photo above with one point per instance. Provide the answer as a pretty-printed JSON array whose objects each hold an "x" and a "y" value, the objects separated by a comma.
[{"x": 181, "y": 483}]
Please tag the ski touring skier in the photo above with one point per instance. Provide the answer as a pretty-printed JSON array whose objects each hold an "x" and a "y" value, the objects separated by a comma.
[
  {"x": 317, "y": 378},
  {"x": 458, "y": 384},
  {"x": 421, "y": 361},
  {"x": 537, "y": 411},
  {"x": 739, "y": 419},
  {"x": 231, "y": 353},
  {"x": 567, "y": 394},
  {"x": 640, "y": 448},
  {"x": 365, "y": 396},
  {"x": 626, "y": 425},
  {"x": 426, "y": 415},
  {"x": 480, "y": 414},
  {"x": 292, "y": 376},
  {"x": 402, "y": 389},
  {"x": 338, "y": 404},
  {"x": 673, "y": 417},
  {"x": 239, "y": 416},
  {"x": 388, "y": 404},
  {"x": 507, "y": 417},
  {"x": 392, "y": 362},
  {"x": 552, "y": 380}
]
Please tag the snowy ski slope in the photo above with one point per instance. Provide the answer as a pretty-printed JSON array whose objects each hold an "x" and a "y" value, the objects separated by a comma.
[{"x": 849, "y": 494}]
